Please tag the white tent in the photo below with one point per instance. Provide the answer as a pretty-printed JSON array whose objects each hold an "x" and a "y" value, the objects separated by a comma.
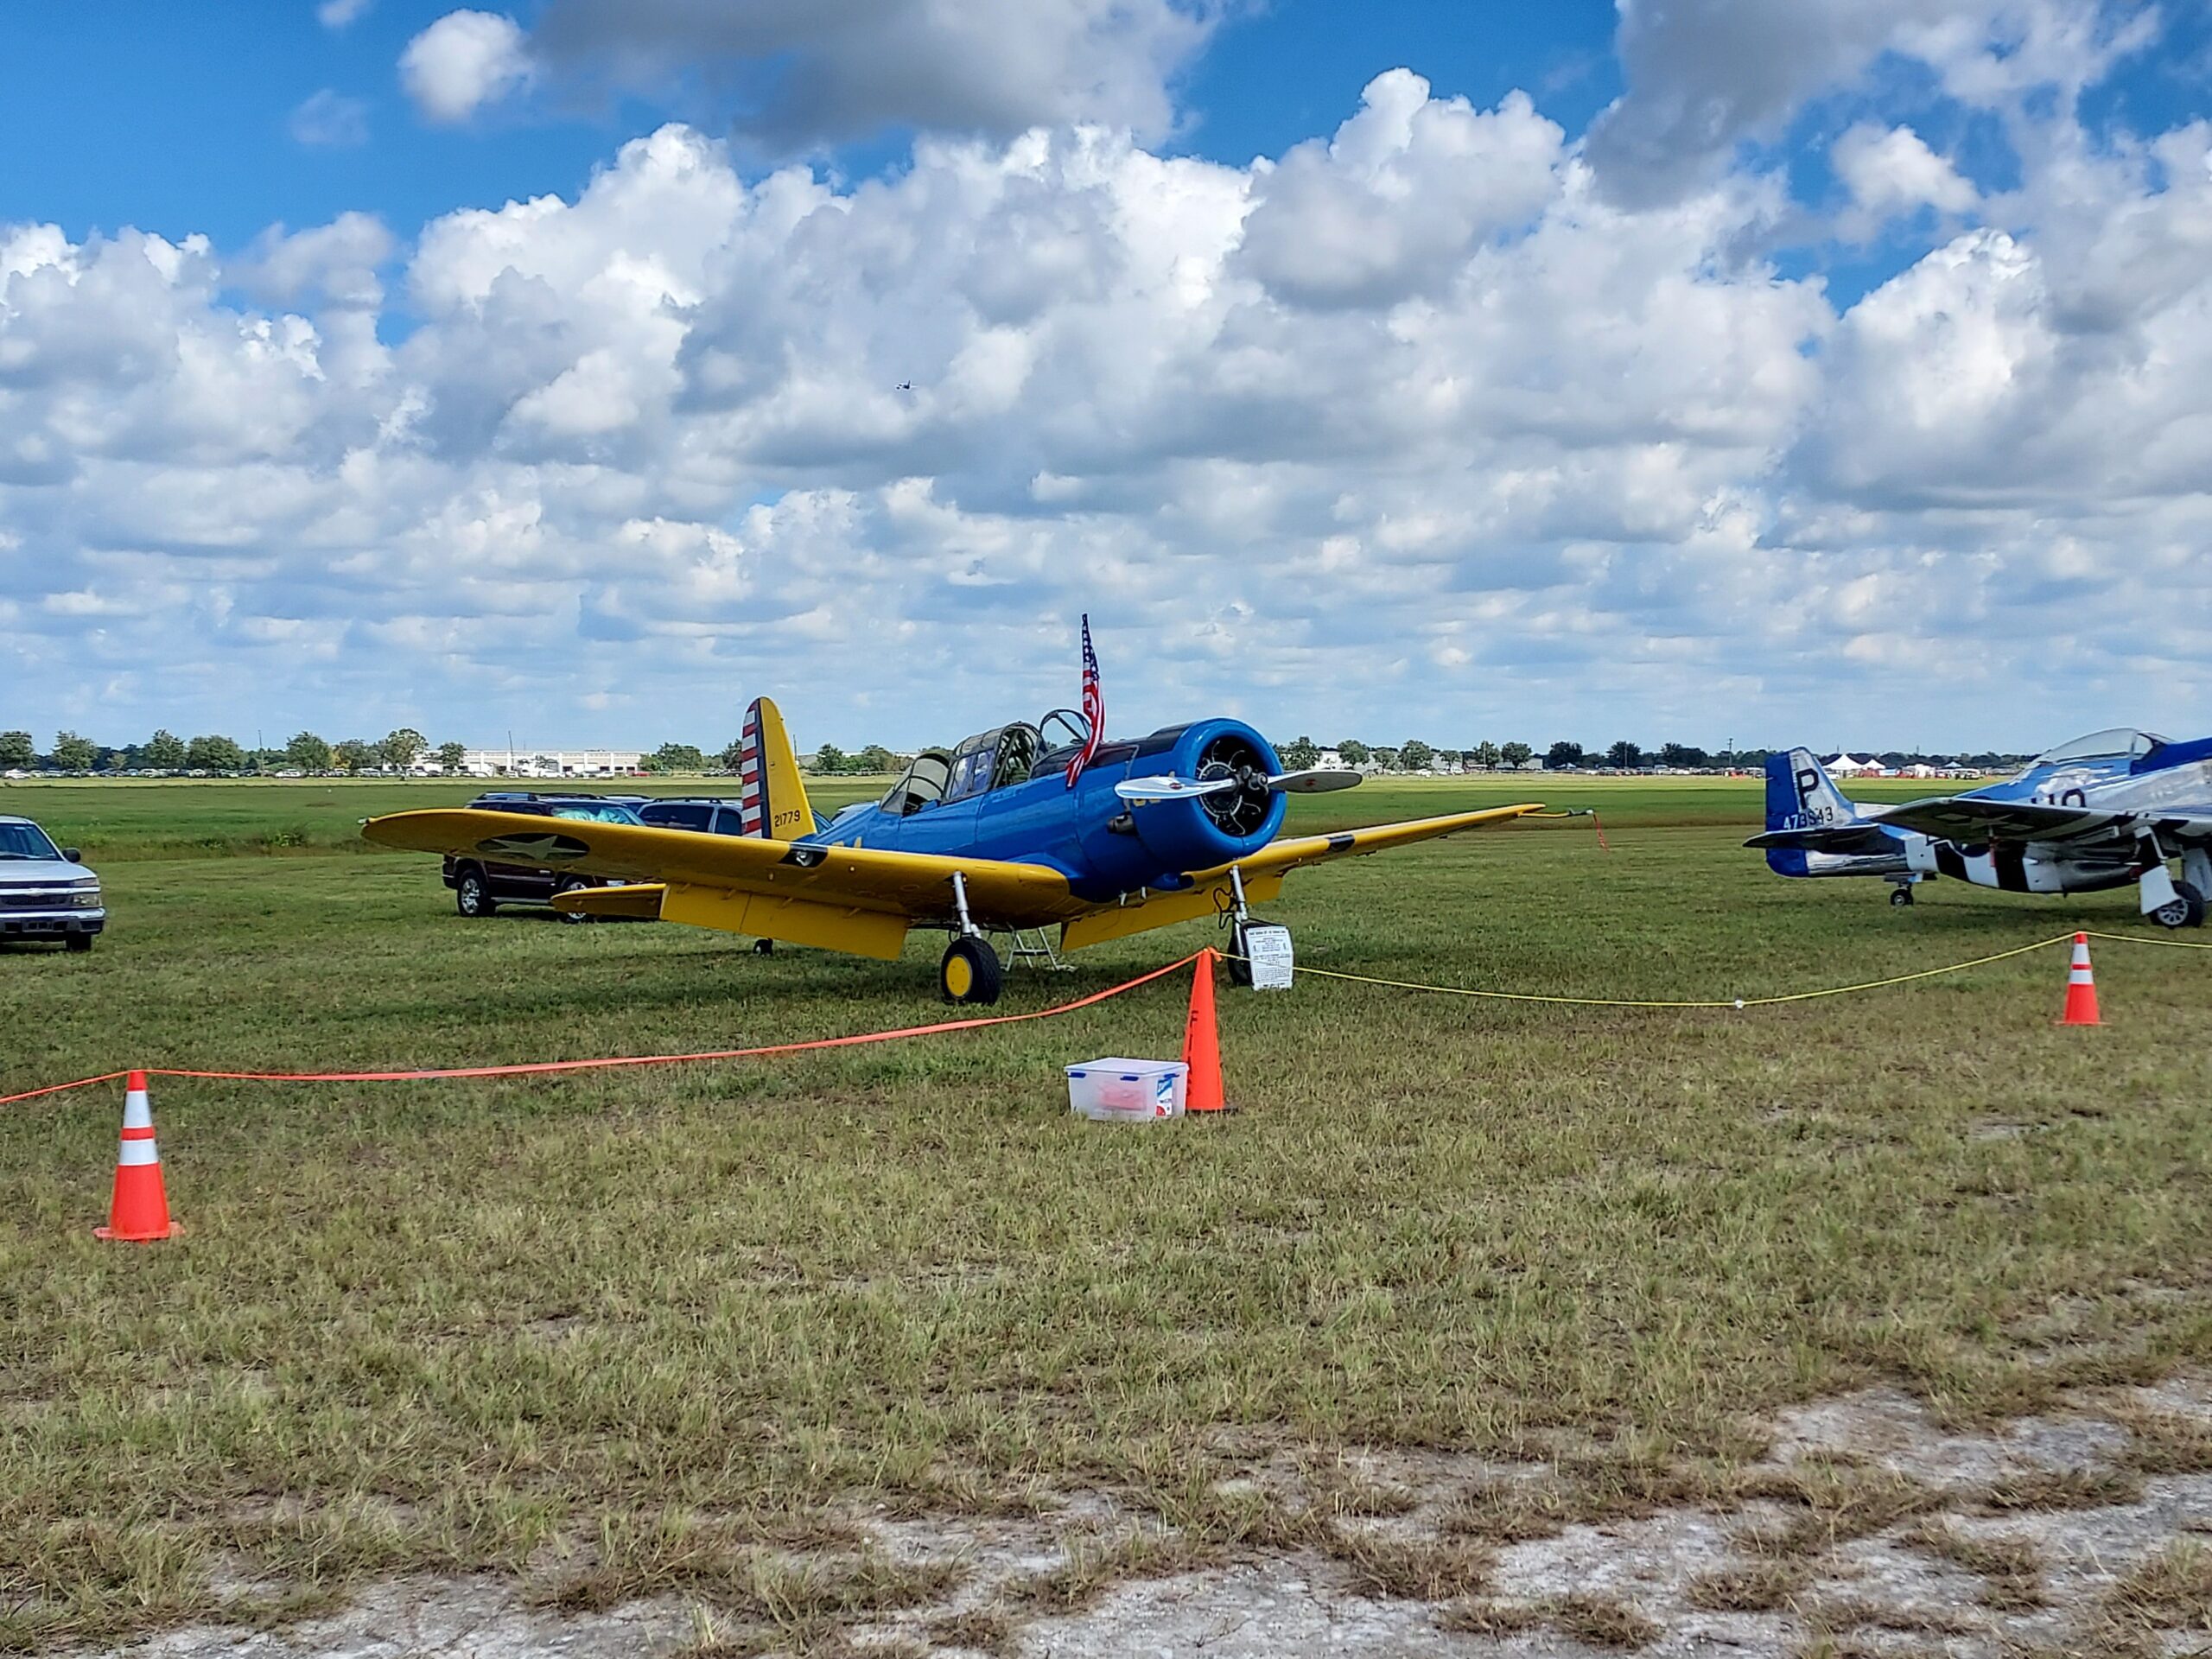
[{"x": 1847, "y": 766}]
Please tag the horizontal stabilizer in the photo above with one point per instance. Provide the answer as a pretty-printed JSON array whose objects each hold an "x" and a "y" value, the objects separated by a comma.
[{"x": 1855, "y": 840}]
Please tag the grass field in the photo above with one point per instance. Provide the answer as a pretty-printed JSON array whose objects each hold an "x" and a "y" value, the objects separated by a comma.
[{"x": 616, "y": 1333}]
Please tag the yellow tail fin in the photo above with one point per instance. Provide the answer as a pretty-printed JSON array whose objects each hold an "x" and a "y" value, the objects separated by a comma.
[{"x": 772, "y": 798}]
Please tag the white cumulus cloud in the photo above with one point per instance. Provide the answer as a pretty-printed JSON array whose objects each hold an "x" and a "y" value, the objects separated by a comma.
[
  {"x": 329, "y": 119},
  {"x": 793, "y": 76},
  {"x": 1419, "y": 428},
  {"x": 462, "y": 63}
]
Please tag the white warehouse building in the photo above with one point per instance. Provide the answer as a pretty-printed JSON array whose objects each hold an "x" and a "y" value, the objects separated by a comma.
[{"x": 521, "y": 762}]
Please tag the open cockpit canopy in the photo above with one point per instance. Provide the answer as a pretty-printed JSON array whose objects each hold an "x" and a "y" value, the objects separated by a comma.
[{"x": 997, "y": 759}]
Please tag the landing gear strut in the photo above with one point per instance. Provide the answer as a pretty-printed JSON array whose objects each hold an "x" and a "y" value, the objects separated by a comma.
[
  {"x": 2164, "y": 900},
  {"x": 1242, "y": 922},
  {"x": 970, "y": 971}
]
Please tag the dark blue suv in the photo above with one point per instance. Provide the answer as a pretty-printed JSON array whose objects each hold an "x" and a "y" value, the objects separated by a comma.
[{"x": 479, "y": 887}]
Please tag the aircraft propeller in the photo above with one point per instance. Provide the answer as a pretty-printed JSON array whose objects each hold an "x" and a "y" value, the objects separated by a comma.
[{"x": 1166, "y": 787}]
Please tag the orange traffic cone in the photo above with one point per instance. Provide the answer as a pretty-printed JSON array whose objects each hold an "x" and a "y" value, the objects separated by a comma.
[
  {"x": 2080, "y": 986},
  {"x": 1201, "y": 1043},
  {"x": 140, "y": 1209}
]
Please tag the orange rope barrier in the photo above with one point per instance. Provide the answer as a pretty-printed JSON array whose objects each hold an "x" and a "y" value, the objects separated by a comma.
[{"x": 538, "y": 1067}]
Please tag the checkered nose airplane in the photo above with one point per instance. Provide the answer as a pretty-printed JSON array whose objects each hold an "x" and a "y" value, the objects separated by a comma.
[
  {"x": 2102, "y": 811},
  {"x": 1021, "y": 828}
]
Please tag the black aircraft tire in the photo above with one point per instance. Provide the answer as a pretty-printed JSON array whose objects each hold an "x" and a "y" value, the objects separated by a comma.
[
  {"x": 1240, "y": 957},
  {"x": 1900, "y": 895},
  {"x": 971, "y": 972},
  {"x": 2189, "y": 895}
]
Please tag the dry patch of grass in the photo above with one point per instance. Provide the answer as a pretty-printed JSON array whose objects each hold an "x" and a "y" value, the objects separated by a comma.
[
  {"x": 2167, "y": 1443},
  {"x": 1844, "y": 1615},
  {"x": 2169, "y": 1590},
  {"x": 1752, "y": 1587},
  {"x": 1594, "y": 1621},
  {"x": 2010, "y": 1569},
  {"x": 1415, "y": 1569},
  {"x": 980, "y": 1630},
  {"x": 2027, "y": 1490},
  {"x": 1093, "y": 1563},
  {"x": 1832, "y": 1500}
]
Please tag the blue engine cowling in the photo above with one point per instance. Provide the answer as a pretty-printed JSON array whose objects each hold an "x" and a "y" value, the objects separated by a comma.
[{"x": 1172, "y": 837}]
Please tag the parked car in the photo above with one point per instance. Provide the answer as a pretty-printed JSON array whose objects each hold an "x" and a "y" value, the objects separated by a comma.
[
  {"x": 481, "y": 885},
  {"x": 708, "y": 815},
  {"x": 46, "y": 892}
]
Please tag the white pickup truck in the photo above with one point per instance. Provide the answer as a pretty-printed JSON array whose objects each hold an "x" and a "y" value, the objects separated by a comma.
[{"x": 46, "y": 892}]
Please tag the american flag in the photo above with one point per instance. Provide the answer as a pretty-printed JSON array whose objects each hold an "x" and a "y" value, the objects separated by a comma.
[{"x": 1093, "y": 707}]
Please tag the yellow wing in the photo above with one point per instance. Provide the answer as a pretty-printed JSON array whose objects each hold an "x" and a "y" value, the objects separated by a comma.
[
  {"x": 840, "y": 897},
  {"x": 1296, "y": 854},
  {"x": 1210, "y": 893}
]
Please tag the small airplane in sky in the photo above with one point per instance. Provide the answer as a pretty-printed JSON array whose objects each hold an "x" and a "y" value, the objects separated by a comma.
[
  {"x": 2099, "y": 812},
  {"x": 1017, "y": 828}
]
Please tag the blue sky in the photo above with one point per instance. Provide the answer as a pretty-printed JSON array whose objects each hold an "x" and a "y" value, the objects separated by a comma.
[
  {"x": 176, "y": 126},
  {"x": 1725, "y": 368}
]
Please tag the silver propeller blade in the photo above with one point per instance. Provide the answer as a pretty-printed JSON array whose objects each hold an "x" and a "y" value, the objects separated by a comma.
[
  {"x": 1311, "y": 782},
  {"x": 1166, "y": 788}
]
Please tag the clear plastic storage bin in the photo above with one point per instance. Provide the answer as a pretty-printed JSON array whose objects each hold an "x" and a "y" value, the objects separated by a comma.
[{"x": 1118, "y": 1090}]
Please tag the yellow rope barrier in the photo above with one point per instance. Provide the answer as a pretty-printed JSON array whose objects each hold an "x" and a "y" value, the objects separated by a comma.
[
  {"x": 1730, "y": 1002},
  {"x": 2138, "y": 939}
]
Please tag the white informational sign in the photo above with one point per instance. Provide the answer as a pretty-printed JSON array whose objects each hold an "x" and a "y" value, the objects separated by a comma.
[{"x": 1267, "y": 948}]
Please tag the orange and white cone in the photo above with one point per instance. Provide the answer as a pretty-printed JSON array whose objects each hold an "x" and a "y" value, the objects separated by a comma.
[
  {"x": 1201, "y": 1043},
  {"x": 139, "y": 1212},
  {"x": 2080, "y": 986}
]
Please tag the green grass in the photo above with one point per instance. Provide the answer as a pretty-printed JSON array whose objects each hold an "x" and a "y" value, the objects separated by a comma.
[{"x": 634, "y": 1330}]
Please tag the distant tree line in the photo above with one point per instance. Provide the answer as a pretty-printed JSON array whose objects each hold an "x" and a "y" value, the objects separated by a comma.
[
  {"x": 1624, "y": 755},
  {"x": 401, "y": 749},
  {"x": 166, "y": 752}
]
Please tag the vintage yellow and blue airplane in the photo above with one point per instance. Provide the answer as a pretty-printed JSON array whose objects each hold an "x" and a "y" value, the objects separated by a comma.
[{"x": 1023, "y": 827}]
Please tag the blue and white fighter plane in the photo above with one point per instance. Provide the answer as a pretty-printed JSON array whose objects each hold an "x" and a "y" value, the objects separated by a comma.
[{"x": 2099, "y": 812}]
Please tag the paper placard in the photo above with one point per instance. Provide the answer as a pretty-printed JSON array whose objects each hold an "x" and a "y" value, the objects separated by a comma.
[{"x": 1267, "y": 949}]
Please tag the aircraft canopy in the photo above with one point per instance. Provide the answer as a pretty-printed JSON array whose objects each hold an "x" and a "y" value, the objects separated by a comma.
[
  {"x": 994, "y": 759},
  {"x": 2118, "y": 740}
]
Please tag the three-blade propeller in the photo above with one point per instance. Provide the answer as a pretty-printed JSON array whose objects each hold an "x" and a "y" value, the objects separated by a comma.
[{"x": 1166, "y": 787}]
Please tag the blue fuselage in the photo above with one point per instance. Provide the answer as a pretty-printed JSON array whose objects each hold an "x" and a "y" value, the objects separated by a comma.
[{"x": 1105, "y": 847}]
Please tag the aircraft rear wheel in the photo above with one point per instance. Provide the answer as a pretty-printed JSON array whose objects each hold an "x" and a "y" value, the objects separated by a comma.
[
  {"x": 1900, "y": 895},
  {"x": 970, "y": 972},
  {"x": 2185, "y": 909}
]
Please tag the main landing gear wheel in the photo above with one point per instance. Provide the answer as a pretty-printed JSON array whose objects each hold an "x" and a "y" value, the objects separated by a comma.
[
  {"x": 472, "y": 894},
  {"x": 763, "y": 947},
  {"x": 970, "y": 972},
  {"x": 1900, "y": 895},
  {"x": 2186, "y": 909},
  {"x": 571, "y": 885}
]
